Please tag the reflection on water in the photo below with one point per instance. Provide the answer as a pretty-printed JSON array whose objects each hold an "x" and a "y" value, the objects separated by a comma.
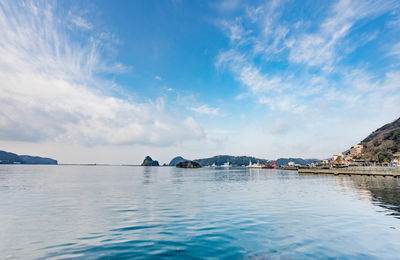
[
  {"x": 385, "y": 191},
  {"x": 154, "y": 212},
  {"x": 379, "y": 190},
  {"x": 147, "y": 172}
]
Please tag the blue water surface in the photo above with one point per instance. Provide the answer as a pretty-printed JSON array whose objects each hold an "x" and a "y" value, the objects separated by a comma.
[{"x": 116, "y": 212}]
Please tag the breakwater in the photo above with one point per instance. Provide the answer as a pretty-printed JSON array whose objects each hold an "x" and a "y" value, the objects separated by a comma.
[{"x": 368, "y": 171}]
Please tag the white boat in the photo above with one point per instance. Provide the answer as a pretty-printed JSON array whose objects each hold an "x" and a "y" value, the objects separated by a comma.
[
  {"x": 226, "y": 165},
  {"x": 254, "y": 165}
]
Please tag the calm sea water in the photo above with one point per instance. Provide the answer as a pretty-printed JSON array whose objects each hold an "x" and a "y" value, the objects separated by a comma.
[{"x": 91, "y": 212}]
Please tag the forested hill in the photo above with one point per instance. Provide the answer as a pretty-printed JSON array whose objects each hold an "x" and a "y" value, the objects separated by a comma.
[
  {"x": 244, "y": 160},
  {"x": 381, "y": 144},
  {"x": 233, "y": 160},
  {"x": 12, "y": 158},
  {"x": 301, "y": 161}
]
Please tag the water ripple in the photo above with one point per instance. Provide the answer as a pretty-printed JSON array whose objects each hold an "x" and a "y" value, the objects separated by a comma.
[{"x": 135, "y": 212}]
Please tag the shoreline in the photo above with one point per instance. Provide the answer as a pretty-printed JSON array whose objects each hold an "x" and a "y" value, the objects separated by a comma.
[{"x": 340, "y": 171}]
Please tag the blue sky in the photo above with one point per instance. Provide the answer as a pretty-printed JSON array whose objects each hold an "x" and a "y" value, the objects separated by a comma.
[{"x": 114, "y": 81}]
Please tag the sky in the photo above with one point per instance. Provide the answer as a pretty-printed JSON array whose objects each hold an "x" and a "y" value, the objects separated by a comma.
[{"x": 114, "y": 81}]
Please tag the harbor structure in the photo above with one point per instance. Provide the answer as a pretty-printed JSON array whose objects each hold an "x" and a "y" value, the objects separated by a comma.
[{"x": 226, "y": 165}]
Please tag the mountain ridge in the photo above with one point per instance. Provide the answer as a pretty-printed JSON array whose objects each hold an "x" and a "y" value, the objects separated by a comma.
[
  {"x": 382, "y": 143},
  {"x": 244, "y": 160},
  {"x": 12, "y": 158}
]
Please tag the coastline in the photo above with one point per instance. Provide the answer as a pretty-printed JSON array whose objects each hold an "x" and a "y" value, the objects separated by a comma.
[{"x": 373, "y": 171}]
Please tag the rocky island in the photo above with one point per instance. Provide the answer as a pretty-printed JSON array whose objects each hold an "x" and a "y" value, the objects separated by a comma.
[
  {"x": 188, "y": 164},
  {"x": 177, "y": 160},
  {"x": 149, "y": 162}
]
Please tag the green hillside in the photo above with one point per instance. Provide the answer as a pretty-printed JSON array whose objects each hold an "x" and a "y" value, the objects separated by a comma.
[{"x": 381, "y": 144}]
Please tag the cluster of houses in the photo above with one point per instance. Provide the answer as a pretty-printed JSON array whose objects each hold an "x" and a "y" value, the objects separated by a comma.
[{"x": 353, "y": 157}]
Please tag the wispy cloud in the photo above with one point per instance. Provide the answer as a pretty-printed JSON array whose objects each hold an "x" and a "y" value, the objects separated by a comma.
[
  {"x": 227, "y": 6},
  {"x": 52, "y": 89},
  {"x": 395, "y": 50},
  {"x": 205, "y": 110},
  {"x": 157, "y": 77},
  {"x": 80, "y": 22},
  {"x": 261, "y": 86},
  {"x": 325, "y": 71},
  {"x": 247, "y": 73},
  {"x": 273, "y": 38},
  {"x": 323, "y": 47},
  {"x": 279, "y": 127}
]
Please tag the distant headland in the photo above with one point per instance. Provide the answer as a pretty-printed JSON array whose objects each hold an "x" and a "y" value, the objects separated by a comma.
[{"x": 12, "y": 158}]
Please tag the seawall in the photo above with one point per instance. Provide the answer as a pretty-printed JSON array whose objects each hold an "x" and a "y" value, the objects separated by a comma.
[{"x": 354, "y": 171}]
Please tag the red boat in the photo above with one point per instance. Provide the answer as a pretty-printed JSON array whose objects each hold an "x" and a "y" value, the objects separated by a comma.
[{"x": 271, "y": 165}]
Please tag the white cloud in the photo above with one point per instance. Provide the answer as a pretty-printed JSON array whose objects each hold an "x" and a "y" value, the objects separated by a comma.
[
  {"x": 205, "y": 110},
  {"x": 322, "y": 48},
  {"x": 81, "y": 23},
  {"x": 246, "y": 73},
  {"x": 265, "y": 89},
  {"x": 226, "y": 6},
  {"x": 282, "y": 103},
  {"x": 157, "y": 77},
  {"x": 274, "y": 39},
  {"x": 279, "y": 127},
  {"x": 394, "y": 22},
  {"x": 50, "y": 89},
  {"x": 395, "y": 50}
]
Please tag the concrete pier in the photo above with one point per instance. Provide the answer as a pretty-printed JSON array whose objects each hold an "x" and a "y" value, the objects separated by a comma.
[{"x": 395, "y": 172}]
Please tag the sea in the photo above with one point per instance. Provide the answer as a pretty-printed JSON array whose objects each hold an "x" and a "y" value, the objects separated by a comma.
[{"x": 133, "y": 212}]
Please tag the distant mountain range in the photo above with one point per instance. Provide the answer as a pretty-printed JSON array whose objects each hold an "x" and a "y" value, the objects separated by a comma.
[
  {"x": 12, "y": 158},
  {"x": 381, "y": 144},
  {"x": 241, "y": 160},
  {"x": 301, "y": 161},
  {"x": 233, "y": 160}
]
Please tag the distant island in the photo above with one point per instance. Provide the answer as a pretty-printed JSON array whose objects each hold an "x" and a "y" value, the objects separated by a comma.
[
  {"x": 12, "y": 158},
  {"x": 188, "y": 164},
  {"x": 176, "y": 160},
  {"x": 149, "y": 162},
  {"x": 242, "y": 160}
]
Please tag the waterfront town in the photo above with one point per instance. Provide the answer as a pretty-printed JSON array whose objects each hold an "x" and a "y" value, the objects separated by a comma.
[{"x": 354, "y": 157}]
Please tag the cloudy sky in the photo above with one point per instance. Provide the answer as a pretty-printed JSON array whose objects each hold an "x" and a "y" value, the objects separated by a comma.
[{"x": 114, "y": 81}]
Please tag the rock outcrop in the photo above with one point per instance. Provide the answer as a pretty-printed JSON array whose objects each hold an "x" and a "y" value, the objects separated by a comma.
[
  {"x": 177, "y": 160},
  {"x": 188, "y": 164},
  {"x": 149, "y": 162}
]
